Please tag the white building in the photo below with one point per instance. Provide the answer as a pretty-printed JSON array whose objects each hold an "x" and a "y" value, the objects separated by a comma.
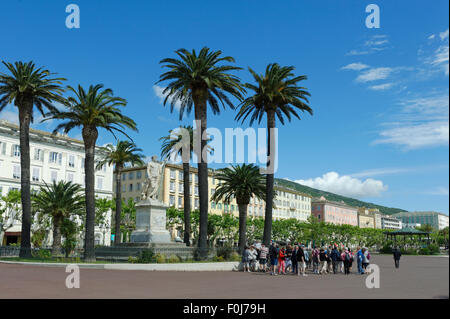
[
  {"x": 388, "y": 222},
  {"x": 434, "y": 219},
  {"x": 53, "y": 158},
  {"x": 290, "y": 203}
]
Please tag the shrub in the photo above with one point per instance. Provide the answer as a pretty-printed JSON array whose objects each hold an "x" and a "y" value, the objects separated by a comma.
[
  {"x": 133, "y": 260},
  {"x": 386, "y": 249},
  {"x": 235, "y": 256},
  {"x": 160, "y": 258},
  {"x": 224, "y": 252},
  {"x": 146, "y": 256},
  {"x": 173, "y": 259},
  {"x": 44, "y": 254}
]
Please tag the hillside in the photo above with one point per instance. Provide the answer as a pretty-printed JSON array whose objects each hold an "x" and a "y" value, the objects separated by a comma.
[{"x": 334, "y": 197}]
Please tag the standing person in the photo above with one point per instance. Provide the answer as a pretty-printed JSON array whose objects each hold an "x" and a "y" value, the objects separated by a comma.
[
  {"x": 341, "y": 261},
  {"x": 246, "y": 259},
  {"x": 397, "y": 254},
  {"x": 315, "y": 258},
  {"x": 329, "y": 261},
  {"x": 282, "y": 261},
  {"x": 346, "y": 256},
  {"x": 294, "y": 260},
  {"x": 366, "y": 259},
  {"x": 351, "y": 259},
  {"x": 264, "y": 251},
  {"x": 288, "y": 258},
  {"x": 335, "y": 257},
  {"x": 301, "y": 261},
  {"x": 306, "y": 254},
  {"x": 323, "y": 261},
  {"x": 273, "y": 254},
  {"x": 359, "y": 260},
  {"x": 252, "y": 258}
]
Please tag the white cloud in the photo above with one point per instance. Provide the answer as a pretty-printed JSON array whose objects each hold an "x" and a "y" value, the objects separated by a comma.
[
  {"x": 374, "y": 44},
  {"x": 9, "y": 116},
  {"x": 159, "y": 93},
  {"x": 398, "y": 170},
  {"x": 440, "y": 191},
  {"x": 374, "y": 74},
  {"x": 444, "y": 35},
  {"x": 357, "y": 52},
  {"x": 381, "y": 87},
  {"x": 431, "y": 37},
  {"x": 355, "y": 66},
  {"x": 346, "y": 185}
]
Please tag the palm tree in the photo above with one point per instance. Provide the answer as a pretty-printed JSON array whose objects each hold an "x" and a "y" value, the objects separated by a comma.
[
  {"x": 125, "y": 152},
  {"x": 175, "y": 143},
  {"x": 92, "y": 110},
  {"x": 196, "y": 80},
  {"x": 61, "y": 201},
  {"x": 28, "y": 86},
  {"x": 277, "y": 95},
  {"x": 241, "y": 182}
]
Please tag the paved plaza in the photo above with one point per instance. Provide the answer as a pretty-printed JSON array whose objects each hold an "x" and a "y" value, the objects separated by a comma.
[{"x": 418, "y": 277}]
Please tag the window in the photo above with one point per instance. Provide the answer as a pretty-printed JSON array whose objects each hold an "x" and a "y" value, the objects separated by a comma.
[
  {"x": 172, "y": 173},
  {"x": 172, "y": 186},
  {"x": 138, "y": 174},
  {"x": 171, "y": 200},
  {"x": 70, "y": 177},
  {"x": 55, "y": 157},
  {"x": 130, "y": 188},
  {"x": 213, "y": 205},
  {"x": 38, "y": 154},
  {"x": 2, "y": 148},
  {"x": 212, "y": 191},
  {"x": 71, "y": 161},
  {"x": 196, "y": 178},
  {"x": 124, "y": 176},
  {"x": 180, "y": 201},
  {"x": 196, "y": 203},
  {"x": 15, "y": 150},
  {"x": 138, "y": 186},
  {"x": 54, "y": 176},
  {"x": 35, "y": 174},
  {"x": 82, "y": 163},
  {"x": 99, "y": 183},
  {"x": 130, "y": 175},
  {"x": 180, "y": 175},
  {"x": 124, "y": 188},
  {"x": 180, "y": 188},
  {"x": 16, "y": 172},
  {"x": 196, "y": 190}
]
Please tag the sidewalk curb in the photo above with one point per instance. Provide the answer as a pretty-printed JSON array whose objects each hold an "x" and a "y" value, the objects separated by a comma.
[{"x": 219, "y": 266}]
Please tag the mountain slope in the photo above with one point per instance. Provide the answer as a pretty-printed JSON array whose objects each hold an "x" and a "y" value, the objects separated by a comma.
[{"x": 334, "y": 197}]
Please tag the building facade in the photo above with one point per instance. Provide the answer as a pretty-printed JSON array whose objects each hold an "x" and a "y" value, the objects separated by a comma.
[
  {"x": 366, "y": 218},
  {"x": 289, "y": 203},
  {"x": 389, "y": 222},
  {"x": 334, "y": 212},
  {"x": 434, "y": 219},
  {"x": 52, "y": 158}
]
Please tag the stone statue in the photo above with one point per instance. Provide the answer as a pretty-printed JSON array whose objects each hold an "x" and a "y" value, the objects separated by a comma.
[{"x": 152, "y": 187}]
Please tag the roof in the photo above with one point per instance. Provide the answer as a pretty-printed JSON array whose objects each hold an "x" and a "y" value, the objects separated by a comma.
[{"x": 408, "y": 231}]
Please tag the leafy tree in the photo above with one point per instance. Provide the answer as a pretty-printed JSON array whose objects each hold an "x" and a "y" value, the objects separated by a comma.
[
  {"x": 125, "y": 152},
  {"x": 27, "y": 87},
  {"x": 61, "y": 201},
  {"x": 91, "y": 110},
  {"x": 10, "y": 209},
  {"x": 276, "y": 95},
  {"x": 128, "y": 219},
  {"x": 197, "y": 80},
  {"x": 241, "y": 182}
]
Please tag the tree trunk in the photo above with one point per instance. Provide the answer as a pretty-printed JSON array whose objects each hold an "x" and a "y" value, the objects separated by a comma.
[
  {"x": 242, "y": 226},
  {"x": 269, "y": 181},
  {"x": 200, "y": 115},
  {"x": 118, "y": 215},
  {"x": 56, "y": 247},
  {"x": 90, "y": 135},
  {"x": 187, "y": 204},
  {"x": 25, "y": 112}
]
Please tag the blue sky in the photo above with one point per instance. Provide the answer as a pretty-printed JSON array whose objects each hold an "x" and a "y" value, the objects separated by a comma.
[{"x": 380, "y": 96}]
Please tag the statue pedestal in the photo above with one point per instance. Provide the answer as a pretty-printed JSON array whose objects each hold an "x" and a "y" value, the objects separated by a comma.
[{"x": 150, "y": 223}]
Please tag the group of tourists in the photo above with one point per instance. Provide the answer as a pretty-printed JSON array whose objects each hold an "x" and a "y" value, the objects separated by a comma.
[{"x": 297, "y": 259}]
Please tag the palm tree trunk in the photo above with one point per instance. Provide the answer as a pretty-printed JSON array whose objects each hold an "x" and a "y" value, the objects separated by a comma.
[
  {"x": 269, "y": 180},
  {"x": 90, "y": 135},
  {"x": 118, "y": 204},
  {"x": 25, "y": 111},
  {"x": 187, "y": 205},
  {"x": 242, "y": 226},
  {"x": 56, "y": 247},
  {"x": 200, "y": 114}
]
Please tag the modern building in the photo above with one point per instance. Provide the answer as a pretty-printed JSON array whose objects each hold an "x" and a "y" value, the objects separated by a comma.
[
  {"x": 434, "y": 219},
  {"x": 337, "y": 213},
  {"x": 289, "y": 203},
  {"x": 53, "y": 158},
  {"x": 389, "y": 222}
]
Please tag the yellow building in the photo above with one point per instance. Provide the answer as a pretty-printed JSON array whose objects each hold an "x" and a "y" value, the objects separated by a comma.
[
  {"x": 289, "y": 203},
  {"x": 366, "y": 218}
]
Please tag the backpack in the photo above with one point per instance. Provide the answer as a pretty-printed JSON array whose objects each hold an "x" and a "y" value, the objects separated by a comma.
[{"x": 347, "y": 257}]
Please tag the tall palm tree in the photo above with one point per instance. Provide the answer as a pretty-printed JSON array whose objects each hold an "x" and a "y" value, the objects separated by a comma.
[
  {"x": 241, "y": 182},
  {"x": 28, "y": 87},
  {"x": 61, "y": 201},
  {"x": 197, "y": 80},
  {"x": 91, "y": 110},
  {"x": 175, "y": 143},
  {"x": 276, "y": 94},
  {"x": 125, "y": 152}
]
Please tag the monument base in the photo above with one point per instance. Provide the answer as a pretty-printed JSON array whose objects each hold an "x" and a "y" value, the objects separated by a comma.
[{"x": 150, "y": 223}]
